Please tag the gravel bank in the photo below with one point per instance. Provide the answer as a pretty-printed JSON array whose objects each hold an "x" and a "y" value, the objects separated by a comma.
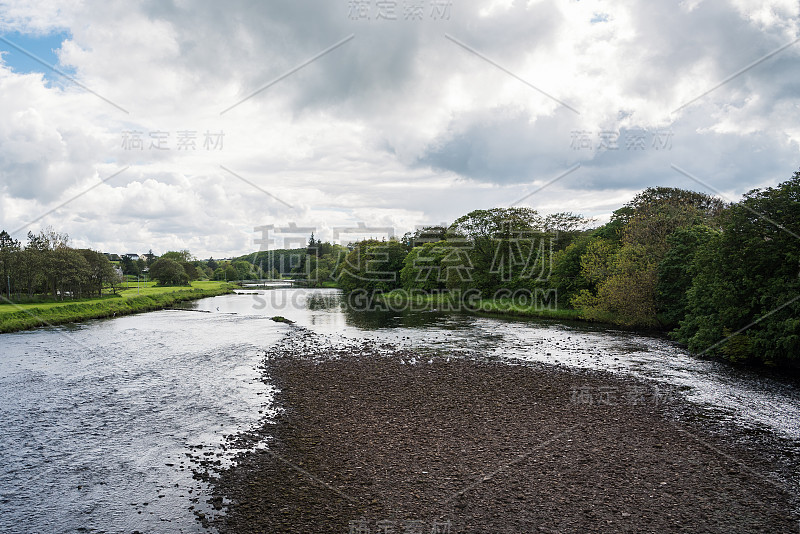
[{"x": 375, "y": 439}]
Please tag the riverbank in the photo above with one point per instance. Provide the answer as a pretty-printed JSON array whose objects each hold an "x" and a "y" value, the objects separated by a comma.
[
  {"x": 370, "y": 437},
  {"x": 526, "y": 305},
  {"x": 14, "y": 317}
]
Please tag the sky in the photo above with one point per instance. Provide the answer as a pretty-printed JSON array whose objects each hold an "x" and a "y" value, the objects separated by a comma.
[{"x": 225, "y": 128}]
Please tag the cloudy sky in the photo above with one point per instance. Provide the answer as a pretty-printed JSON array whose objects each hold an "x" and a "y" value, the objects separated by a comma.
[{"x": 180, "y": 124}]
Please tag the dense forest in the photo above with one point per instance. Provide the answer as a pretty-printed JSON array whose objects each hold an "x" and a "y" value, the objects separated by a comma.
[{"x": 724, "y": 279}]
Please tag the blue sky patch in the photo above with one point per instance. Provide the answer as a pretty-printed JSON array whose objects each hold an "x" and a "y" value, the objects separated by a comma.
[{"x": 17, "y": 49}]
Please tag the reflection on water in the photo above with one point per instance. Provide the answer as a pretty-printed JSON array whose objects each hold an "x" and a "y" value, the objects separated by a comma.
[{"x": 98, "y": 418}]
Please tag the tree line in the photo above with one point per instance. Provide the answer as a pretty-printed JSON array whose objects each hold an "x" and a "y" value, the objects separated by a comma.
[
  {"x": 47, "y": 266},
  {"x": 315, "y": 264},
  {"x": 722, "y": 278}
]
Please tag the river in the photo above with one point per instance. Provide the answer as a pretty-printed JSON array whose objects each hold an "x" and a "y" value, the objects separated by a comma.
[{"x": 98, "y": 418}]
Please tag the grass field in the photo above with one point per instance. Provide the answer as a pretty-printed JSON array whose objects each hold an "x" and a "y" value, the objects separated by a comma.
[
  {"x": 151, "y": 289},
  {"x": 15, "y": 317}
]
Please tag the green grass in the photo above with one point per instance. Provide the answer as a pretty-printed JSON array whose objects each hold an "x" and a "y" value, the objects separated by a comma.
[
  {"x": 158, "y": 290},
  {"x": 49, "y": 304},
  {"x": 506, "y": 307},
  {"x": 450, "y": 302},
  {"x": 15, "y": 317}
]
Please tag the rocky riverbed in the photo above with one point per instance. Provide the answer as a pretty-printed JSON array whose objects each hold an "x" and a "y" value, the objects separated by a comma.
[{"x": 371, "y": 437}]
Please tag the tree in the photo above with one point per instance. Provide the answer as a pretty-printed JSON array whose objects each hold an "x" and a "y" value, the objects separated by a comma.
[
  {"x": 313, "y": 246},
  {"x": 324, "y": 268},
  {"x": 565, "y": 222},
  {"x": 130, "y": 266},
  {"x": 568, "y": 277},
  {"x": 512, "y": 248},
  {"x": 373, "y": 265},
  {"x": 675, "y": 272},
  {"x": 100, "y": 271},
  {"x": 181, "y": 256},
  {"x": 426, "y": 234},
  {"x": 623, "y": 263},
  {"x": 115, "y": 280},
  {"x": 30, "y": 275},
  {"x": 743, "y": 304},
  {"x": 243, "y": 270},
  {"x": 70, "y": 273},
  {"x": 191, "y": 270},
  {"x": 207, "y": 272},
  {"x": 431, "y": 266},
  {"x": 168, "y": 272},
  {"x": 225, "y": 271},
  {"x": 490, "y": 237},
  {"x": 50, "y": 246},
  {"x": 9, "y": 249},
  {"x": 149, "y": 258},
  {"x": 628, "y": 295}
]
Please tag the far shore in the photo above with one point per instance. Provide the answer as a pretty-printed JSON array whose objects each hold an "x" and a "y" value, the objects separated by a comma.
[
  {"x": 499, "y": 307},
  {"x": 17, "y": 317}
]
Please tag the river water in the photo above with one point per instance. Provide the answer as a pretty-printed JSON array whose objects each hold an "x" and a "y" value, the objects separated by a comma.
[{"x": 97, "y": 419}]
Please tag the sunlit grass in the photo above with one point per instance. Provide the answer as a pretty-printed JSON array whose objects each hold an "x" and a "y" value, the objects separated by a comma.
[
  {"x": 150, "y": 289},
  {"x": 29, "y": 315}
]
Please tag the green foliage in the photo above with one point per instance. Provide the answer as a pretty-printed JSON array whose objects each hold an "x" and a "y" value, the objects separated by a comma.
[
  {"x": 511, "y": 248},
  {"x": 130, "y": 266},
  {"x": 49, "y": 266},
  {"x": 243, "y": 269},
  {"x": 612, "y": 231},
  {"x": 628, "y": 294},
  {"x": 9, "y": 253},
  {"x": 427, "y": 234},
  {"x": 181, "y": 256},
  {"x": 496, "y": 223},
  {"x": 323, "y": 267},
  {"x": 191, "y": 271},
  {"x": 742, "y": 304},
  {"x": 597, "y": 261},
  {"x": 568, "y": 278},
  {"x": 436, "y": 266},
  {"x": 675, "y": 272},
  {"x": 372, "y": 265},
  {"x": 622, "y": 263},
  {"x": 99, "y": 271},
  {"x": 225, "y": 271},
  {"x": 168, "y": 272}
]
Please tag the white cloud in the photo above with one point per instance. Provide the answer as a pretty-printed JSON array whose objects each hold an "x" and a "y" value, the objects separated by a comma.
[{"x": 397, "y": 126}]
